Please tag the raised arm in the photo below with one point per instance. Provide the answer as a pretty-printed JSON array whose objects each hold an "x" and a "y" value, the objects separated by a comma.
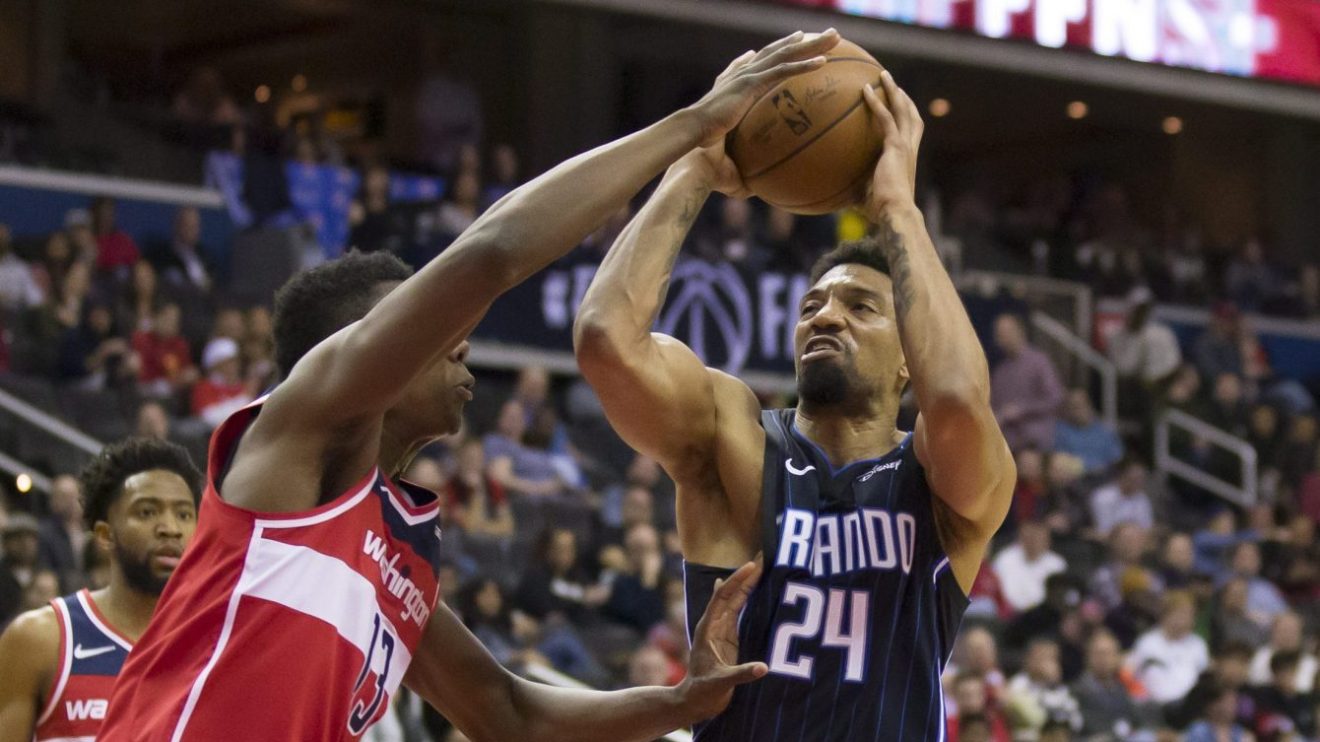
[
  {"x": 332, "y": 404},
  {"x": 967, "y": 461},
  {"x": 454, "y": 673}
]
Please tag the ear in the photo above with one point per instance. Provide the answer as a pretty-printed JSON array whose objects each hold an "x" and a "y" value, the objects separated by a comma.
[
  {"x": 105, "y": 539},
  {"x": 903, "y": 377}
]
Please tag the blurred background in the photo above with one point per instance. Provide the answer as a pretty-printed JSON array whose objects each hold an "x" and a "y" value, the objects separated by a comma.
[{"x": 1127, "y": 193}]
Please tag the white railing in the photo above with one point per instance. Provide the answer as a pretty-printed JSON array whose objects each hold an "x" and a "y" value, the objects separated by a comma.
[
  {"x": 15, "y": 468},
  {"x": 1166, "y": 465},
  {"x": 50, "y": 424},
  {"x": 1082, "y": 351},
  {"x": 549, "y": 676},
  {"x": 1036, "y": 289}
]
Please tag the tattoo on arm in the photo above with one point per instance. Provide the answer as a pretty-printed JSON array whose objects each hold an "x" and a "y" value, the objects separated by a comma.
[
  {"x": 692, "y": 202},
  {"x": 900, "y": 268}
]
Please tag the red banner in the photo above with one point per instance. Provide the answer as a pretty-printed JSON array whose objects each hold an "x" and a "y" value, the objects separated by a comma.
[{"x": 1273, "y": 39}]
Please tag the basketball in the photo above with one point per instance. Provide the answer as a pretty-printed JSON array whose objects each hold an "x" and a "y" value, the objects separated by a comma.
[{"x": 809, "y": 145}]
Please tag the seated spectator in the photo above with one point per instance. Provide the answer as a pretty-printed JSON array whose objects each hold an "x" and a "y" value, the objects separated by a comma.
[
  {"x": 1024, "y": 388},
  {"x": 1038, "y": 692},
  {"x": 1024, "y": 566},
  {"x": 971, "y": 697},
  {"x": 1230, "y": 622},
  {"x": 520, "y": 470},
  {"x": 460, "y": 207},
  {"x": 20, "y": 544},
  {"x": 1138, "y": 609},
  {"x": 1065, "y": 507},
  {"x": 638, "y": 509},
  {"x": 1123, "y": 501},
  {"x": 1169, "y": 658},
  {"x": 643, "y": 471},
  {"x": 555, "y": 586},
  {"x": 63, "y": 534},
  {"x": 1264, "y": 600},
  {"x": 140, "y": 300},
  {"x": 1217, "y": 721},
  {"x": 485, "y": 511},
  {"x": 1227, "y": 408},
  {"x": 1109, "y": 707},
  {"x": 18, "y": 284},
  {"x": 1083, "y": 435},
  {"x": 116, "y": 252},
  {"x": 1128, "y": 543},
  {"x": 204, "y": 100},
  {"x": 1228, "y": 669},
  {"x": 1286, "y": 635},
  {"x": 986, "y": 598},
  {"x": 152, "y": 421},
  {"x": 44, "y": 588},
  {"x": 1250, "y": 281},
  {"x": 1214, "y": 541},
  {"x": 258, "y": 348},
  {"x": 637, "y": 590},
  {"x": 1282, "y": 709},
  {"x": 504, "y": 175},
  {"x": 165, "y": 360},
  {"x": 1219, "y": 348},
  {"x": 1029, "y": 494},
  {"x": 183, "y": 262},
  {"x": 1144, "y": 350},
  {"x": 1298, "y": 452},
  {"x": 975, "y": 651},
  {"x": 93, "y": 355},
  {"x": 1062, "y": 596},
  {"x": 1178, "y": 561},
  {"x": 222, "y": 391},
  {"x": 376, "y": 224}
]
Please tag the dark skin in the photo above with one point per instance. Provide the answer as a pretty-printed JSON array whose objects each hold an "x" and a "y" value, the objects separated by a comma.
[
  {"x": 153, "y": 520},
  {"x": 877, "y": 331},
  {"x": 377, "y": 391}
]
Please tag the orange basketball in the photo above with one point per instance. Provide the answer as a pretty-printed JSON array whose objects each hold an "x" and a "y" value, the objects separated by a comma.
[{"x": 808, "y": 145}]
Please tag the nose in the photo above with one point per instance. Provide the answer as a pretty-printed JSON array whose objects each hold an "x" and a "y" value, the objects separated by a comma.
[
  {"x": 167, "y": 526},
  {"x": 460, "y": 354},
  {"x": 829, "y": 317}
]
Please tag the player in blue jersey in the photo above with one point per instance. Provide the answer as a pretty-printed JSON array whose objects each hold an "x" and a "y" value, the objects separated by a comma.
[{"x": 871, "y": 536}]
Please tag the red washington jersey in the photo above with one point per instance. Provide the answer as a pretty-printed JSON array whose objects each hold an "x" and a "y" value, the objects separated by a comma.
[
  {"x": 288, "y": 626},
  {"x": 91, "y": 653}
]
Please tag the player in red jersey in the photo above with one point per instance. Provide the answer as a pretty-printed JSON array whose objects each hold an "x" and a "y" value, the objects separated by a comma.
[
  {"x": 60, "y": 661},
  {"x": 310, "y": 593}
]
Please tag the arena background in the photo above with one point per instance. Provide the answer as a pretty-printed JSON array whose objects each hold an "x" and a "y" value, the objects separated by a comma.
[{"x": 1084, "y": 160}]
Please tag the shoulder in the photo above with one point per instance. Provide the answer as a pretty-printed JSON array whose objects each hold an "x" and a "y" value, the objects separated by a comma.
[
  {"x": 733, "y": 394},
  {"x": 31, "y": 643}
]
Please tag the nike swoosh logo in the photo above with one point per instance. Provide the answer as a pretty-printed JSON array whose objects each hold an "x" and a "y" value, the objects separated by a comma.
[
  {"x": 788, "y": 464},
  {"x": 81, "y": 654}
]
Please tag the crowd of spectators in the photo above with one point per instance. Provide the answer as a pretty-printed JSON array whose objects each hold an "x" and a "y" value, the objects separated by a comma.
[{"x": 1110, "y": 607}]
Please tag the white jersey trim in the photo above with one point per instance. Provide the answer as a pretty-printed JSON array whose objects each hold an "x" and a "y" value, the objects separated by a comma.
[
  {"x": 101, "y": 627},
  {"x": 307, "y": 581},
  {"x": 68, "y": 739},
  {"x": 66, "y": 661},
  {"x": 412, "y": 519}
]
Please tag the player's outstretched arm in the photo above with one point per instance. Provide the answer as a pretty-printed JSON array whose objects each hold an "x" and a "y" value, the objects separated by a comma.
[
  {"x": 656, "y": 393},
  {"x": 957, "y": 440},
  {"x": 361, "y": 370},
  {"x": 454, "y": 673},
  {"x": 29, "y": 653}
]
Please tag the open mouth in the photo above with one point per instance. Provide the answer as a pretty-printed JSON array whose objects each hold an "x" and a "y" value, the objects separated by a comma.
[{"x": 821, "y": 346}]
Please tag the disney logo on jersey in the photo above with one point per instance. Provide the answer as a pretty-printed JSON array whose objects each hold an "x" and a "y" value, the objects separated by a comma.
[
  {"x": 397, "y": 581},
  {"x": 879, "y": 468}
]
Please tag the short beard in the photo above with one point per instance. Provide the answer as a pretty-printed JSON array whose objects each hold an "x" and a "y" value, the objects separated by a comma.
[
  {"x": 137, "y": 572},
  {"x": 823, "y": 385}
]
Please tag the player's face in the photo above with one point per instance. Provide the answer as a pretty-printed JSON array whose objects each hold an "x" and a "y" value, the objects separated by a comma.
[
  {"x": 148, "y": 528},
  {"x": 433, "y": 403},
  {"x": 846, "y": 342}
]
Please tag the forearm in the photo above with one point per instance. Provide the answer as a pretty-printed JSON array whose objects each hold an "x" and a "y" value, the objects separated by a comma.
[
  {"x": 531, "y": 227},
  {"x": 944, "y": 356},
  {"x": 569, "y": 715},
  {"x": 629, "y": 288}
]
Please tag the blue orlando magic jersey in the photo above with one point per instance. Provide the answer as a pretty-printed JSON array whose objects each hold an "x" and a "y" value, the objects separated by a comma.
[{"x": 857, "y": 610}]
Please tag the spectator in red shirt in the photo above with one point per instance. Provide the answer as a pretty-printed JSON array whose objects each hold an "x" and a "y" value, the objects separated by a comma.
[
  {"x": 223, "y": 391},
  {"x": 972, "y": 696},
  {"x": 115, "y": 251},
  {"x": 166, "y": 360}
]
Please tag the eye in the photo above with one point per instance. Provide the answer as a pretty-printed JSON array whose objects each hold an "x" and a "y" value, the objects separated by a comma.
[
  {"x": 187, "y": 514},
  {"x": 809, "y": 308},
  {"x": 862, "y": 307},
  {"x": 146, "y": 511}
]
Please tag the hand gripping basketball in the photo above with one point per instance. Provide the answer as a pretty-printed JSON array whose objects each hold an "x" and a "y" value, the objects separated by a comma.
[
  {"x": 752, "y": 75},
  {"x": 895, "y": 180},
  {"x": 712, "y": 672}
]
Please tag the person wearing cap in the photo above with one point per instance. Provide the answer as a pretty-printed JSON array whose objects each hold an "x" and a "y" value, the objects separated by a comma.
[
  {"x": 222, "y": 390},
  {"x": 19, "y": 546},
  {"x": 1144, "y": 349}
]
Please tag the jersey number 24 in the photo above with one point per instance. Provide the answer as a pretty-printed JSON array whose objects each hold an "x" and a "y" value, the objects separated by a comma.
[{"x": 829, "y": 610}]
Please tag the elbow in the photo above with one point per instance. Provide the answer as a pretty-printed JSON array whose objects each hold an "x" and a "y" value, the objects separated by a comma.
[
  {"x": 955, "y": 397},
  {"x": 597, "y": 338}
]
